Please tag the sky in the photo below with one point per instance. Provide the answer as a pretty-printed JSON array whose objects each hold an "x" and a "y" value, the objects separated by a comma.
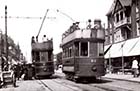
[{"x": 21, "y": 30}]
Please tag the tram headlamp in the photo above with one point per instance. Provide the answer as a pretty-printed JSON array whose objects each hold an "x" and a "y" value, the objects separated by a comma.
[
  {"x": 45, "y": 69},
  {"x": 94, "y": 68}
]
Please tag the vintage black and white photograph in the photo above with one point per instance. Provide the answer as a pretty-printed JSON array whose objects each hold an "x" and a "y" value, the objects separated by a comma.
[{"x": 69, "y": 45}]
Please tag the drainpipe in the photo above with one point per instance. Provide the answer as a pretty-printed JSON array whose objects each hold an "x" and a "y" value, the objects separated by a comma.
[{"x": 133, "y": 19}]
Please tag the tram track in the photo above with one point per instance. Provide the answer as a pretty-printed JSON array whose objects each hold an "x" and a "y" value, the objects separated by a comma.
[
  {"x": 82, "y": 87},
  {"x": 71, "y": 86},
  {"x": 45, "y": 85},
  {"x": 67, "y": 85}
]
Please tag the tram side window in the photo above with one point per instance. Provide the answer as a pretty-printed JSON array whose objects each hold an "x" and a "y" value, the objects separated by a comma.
[
  {"x": 76, "y": 48},
  {"x": 49, "y": 55},
  {"x": 37, "y": 56},
  {"x": 84, "y": 49},
  {"x": 100, "y": 49},
  {"x": 70, "y": 51},
  {"x": 64, "y": 53},
  {"x": 33, "y": 55}
]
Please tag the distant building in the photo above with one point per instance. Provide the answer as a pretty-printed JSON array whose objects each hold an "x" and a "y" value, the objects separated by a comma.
[{"x": 14, "y": 50}]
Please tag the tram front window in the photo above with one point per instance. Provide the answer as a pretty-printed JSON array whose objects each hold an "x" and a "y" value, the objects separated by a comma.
[
  {"x": 84, "y": 49},
  {"x": 44, "y": 56},
  {"x": 37, "y": 56}
]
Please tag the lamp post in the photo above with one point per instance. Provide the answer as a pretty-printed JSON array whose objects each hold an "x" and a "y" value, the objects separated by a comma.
[
  {"x": 1, "y": 51},
  {"x": 122, "y": 60},
  {"x": 6, "y": 40},
  {"x": 110, "y": 68}
]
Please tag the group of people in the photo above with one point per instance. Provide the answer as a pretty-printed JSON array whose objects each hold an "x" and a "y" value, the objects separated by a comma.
[
  {"x": 44, "y": 38},
  {"x": 72, "y": 28}
]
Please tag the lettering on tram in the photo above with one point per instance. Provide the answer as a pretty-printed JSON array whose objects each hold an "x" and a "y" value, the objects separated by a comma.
[{"x": 83, "y": 51}]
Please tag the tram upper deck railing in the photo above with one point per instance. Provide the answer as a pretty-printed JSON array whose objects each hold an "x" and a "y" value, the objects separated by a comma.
[
  {"x": 91, "y": 31},
  {"x": 84, "y": 33},
  {"x": 43, "y": 46}
]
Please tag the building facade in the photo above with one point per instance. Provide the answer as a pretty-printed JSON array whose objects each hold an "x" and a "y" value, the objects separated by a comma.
[
  {"x": 123, "y": 30},
  {"x": 14, "y": 51}
]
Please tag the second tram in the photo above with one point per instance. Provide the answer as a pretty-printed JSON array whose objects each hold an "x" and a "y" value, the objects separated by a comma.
[
  {"x": 42, "y": 56},
  {"x": 83, "y": 51}
]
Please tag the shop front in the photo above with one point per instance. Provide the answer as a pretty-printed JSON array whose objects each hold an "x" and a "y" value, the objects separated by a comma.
[{"x": 119, "y": 55}]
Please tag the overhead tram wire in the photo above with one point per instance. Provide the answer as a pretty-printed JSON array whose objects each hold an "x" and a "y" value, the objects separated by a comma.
[{"x": 22, "y": 17}]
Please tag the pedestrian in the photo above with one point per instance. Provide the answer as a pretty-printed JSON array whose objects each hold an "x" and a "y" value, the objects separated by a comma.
[
  {"x": 36, "y": 38},
  {"x": 44, "y": 39},
  {"x": 32, "y": 40},
  {"x": 135, "y": 67}
]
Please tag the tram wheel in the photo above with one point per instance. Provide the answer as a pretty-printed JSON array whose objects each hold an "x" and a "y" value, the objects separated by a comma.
[{"x": 77, "y": 80}]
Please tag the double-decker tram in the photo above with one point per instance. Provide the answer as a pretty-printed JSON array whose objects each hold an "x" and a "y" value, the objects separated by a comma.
[
  {"x": 83, "y": 51},
  {"x": 42, "y": 56}
]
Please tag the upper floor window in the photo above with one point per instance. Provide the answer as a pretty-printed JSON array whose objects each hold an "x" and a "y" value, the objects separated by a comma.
[
  {"x": 121, "y": 15},
  {"x": 117, "y": 17}
]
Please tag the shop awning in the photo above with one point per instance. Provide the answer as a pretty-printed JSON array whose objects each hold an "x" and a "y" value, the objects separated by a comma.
[
  {"x": 131, "y": 47},
  {"x": 106, "y": 48},
  {"x": 115, "y": 50},
  {"x": 126, "y": 48},
  {"x": 135, "y": 50},
  {"x": 4, "y": 58}
]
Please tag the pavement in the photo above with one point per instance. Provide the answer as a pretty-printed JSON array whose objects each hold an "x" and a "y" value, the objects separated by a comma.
[{"x": 123, "y": 77}]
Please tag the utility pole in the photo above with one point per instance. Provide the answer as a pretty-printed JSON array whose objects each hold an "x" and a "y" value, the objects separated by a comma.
[
  {"x": 6, "y": 40},
  {"x": 1, "y": 51}
]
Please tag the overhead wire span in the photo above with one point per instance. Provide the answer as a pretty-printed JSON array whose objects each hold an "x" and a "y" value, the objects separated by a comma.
[{"x": 22, "y": 17}]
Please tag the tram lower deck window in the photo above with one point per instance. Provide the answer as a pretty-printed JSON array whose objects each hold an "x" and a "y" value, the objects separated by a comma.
[
  {"x": 84, "y": 49},
  {"x": 100, "y": 49}
]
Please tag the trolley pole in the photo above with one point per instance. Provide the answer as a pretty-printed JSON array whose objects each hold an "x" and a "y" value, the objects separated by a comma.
[{"x": 6, "y": 40}]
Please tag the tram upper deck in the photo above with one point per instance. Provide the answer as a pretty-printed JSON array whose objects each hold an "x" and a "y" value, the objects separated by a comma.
[
  {"x": 42, "y": 46},
  {"x": 96, "y": 32}
]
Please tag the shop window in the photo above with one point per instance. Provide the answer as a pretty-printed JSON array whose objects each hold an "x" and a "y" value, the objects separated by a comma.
[
  {"x": 84, "y": 49},
  {"x": 100, "y": 49}
]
